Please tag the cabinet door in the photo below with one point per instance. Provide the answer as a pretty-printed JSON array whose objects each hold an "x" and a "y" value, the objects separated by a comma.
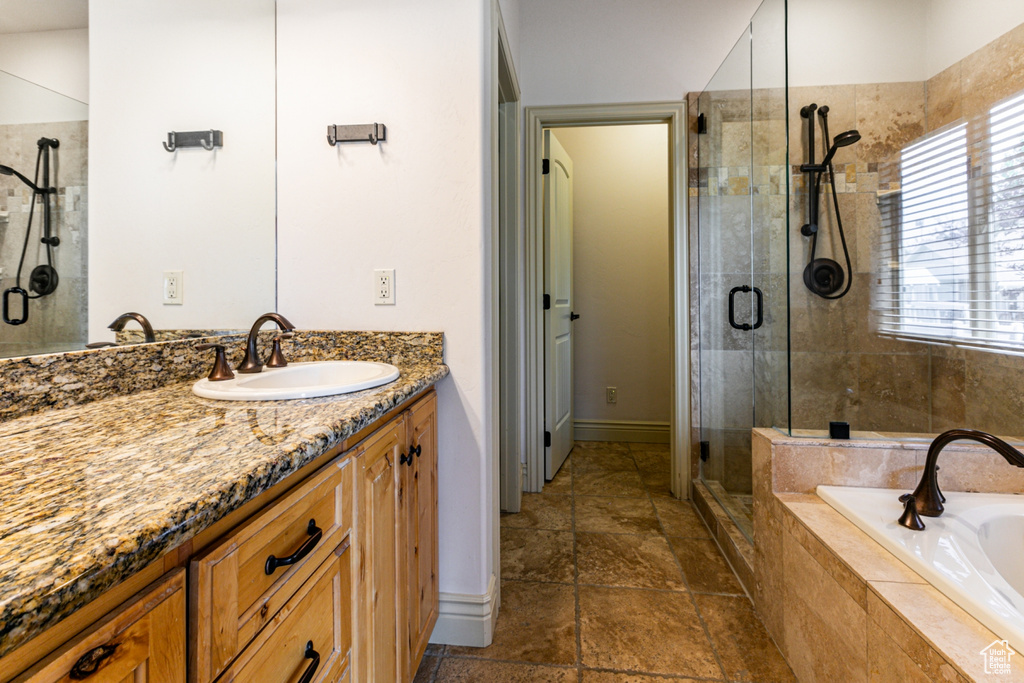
[
  {"x": 143, "y": 641},
  {"x": 419, "y": 527},
  {"x": 375, "y": 591}
]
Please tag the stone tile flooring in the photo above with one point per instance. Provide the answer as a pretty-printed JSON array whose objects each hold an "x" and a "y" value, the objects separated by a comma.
[{"x": 607, "y": 579}]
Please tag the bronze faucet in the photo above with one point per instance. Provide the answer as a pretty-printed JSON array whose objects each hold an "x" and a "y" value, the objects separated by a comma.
[
  {"x": 927, "y": 499},
  {"x": 251, "y": 360},
  {"x": 147, "y": 329}
]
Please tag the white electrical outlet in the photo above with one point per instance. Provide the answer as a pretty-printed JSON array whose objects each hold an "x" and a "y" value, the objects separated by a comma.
[
  {"x": 611, "y": 394},
  {"x": 384, "y": 287},
  {"x": 174, "y": 286}
]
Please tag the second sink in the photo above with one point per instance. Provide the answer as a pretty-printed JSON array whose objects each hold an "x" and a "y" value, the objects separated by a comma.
[{"x": 300, "y": 380}]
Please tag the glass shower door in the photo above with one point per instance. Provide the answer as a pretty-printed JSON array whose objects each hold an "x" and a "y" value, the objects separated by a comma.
[
  {"x": 742, "y": 229},
  {"x": 729, "y": 303}
]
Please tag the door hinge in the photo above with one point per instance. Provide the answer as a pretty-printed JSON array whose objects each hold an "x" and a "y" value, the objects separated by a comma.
[
  {"x": 702, "y": 124},
  {"x": 547, "y": 439},
  {"x": 705, "y": 450},
  {"x": 547, "y": 302},
  {"x": 545, "y": 166}
]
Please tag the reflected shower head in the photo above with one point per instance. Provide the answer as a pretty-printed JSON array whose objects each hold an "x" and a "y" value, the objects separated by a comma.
[
  {"x": 7, "y": 170},
  {"x": 842, "y": 140}
]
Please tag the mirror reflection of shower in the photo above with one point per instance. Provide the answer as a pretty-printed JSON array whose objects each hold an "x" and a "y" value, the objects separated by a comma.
[
  {"x": 824, "y": 276},
  {"x": 43, "y": 279}
]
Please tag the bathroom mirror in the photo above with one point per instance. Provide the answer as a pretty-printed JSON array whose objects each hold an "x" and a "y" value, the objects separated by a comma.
[{"x": 126, "y": 210}]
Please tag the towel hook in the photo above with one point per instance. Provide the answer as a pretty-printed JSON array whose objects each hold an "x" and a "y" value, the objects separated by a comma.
[
  {"x": 207, "y": 144},
  {"x": 170, "y": 145}
]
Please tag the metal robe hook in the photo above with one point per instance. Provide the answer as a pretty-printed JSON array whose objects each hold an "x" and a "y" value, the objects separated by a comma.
[
  {"x": 371, "y": 132},
  {"x": 207, "y": 144},
  {"x": 171, "y": 144}
]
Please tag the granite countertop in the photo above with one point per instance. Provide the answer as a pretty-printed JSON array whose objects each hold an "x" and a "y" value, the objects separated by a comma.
[{"x": 92, "y": 493}]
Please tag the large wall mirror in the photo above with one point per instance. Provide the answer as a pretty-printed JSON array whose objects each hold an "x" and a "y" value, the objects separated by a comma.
[{"x": 109, "y": 80}]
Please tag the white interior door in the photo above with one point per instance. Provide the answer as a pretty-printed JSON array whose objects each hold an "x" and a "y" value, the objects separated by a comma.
[{"x": 558, "y": 412}]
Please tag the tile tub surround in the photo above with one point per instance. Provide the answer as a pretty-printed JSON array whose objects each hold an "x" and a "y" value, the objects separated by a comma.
[
  {"x": 824, "y": 586},
  {"x": 93, "y": 493},
  {"x": 34, "y": 383}
]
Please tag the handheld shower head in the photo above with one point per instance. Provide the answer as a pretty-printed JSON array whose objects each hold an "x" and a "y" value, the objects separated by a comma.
[
  {"x": 842, "y": 140},
  {"x": 7, "y": 170}
]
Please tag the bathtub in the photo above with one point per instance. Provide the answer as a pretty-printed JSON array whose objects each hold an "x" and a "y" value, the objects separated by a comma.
[{"x": 973, "y": 553}]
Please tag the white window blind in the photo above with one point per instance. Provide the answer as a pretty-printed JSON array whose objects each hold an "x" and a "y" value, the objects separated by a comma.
[{"x": 955, "y": 238}]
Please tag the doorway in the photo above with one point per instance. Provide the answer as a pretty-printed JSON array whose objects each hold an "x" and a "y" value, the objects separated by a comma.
[{"x": 539, "y": 119}]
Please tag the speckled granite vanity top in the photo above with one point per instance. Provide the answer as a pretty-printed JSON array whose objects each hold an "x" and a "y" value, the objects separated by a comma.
[{"x": 92, "y": 493}]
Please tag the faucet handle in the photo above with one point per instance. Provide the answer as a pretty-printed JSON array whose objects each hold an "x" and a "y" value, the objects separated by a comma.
[
  {"x": 221, "y": 369},
  {"x": 910, "y": 517},
  {"x": 276, "y": 358}
]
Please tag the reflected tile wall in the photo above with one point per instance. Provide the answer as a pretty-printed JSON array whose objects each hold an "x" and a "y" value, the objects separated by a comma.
[{"x": 57, "y": 322}]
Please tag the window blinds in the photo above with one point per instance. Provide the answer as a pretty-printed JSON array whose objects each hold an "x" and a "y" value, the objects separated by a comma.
[{"x": 954, "y": 239}]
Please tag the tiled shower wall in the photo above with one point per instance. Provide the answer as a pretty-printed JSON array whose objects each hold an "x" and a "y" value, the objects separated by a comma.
[
  {"x": 842, "y": 369},
  {"x": 57, "y": 322}
]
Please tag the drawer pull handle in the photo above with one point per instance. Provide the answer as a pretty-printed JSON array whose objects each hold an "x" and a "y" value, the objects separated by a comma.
[
  {"x": 90, "y": 662},
  {"x": 310, "y": 671},
  {"x": 315, "y": 534}
]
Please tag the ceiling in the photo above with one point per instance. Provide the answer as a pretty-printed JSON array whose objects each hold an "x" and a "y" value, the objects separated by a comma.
[{"x": 23, "y": 16}]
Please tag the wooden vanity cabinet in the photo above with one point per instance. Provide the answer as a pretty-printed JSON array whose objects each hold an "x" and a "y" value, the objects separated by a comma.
[
  {"x": 142, "y": 641},
  {"x": 376, "y": 576},
  {"x": 418, "y": 536},
  {"x": 396, "y": 538},
  {"x": 359, "y": 581}
]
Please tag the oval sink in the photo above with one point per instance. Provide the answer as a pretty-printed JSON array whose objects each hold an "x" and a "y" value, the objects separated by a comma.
[{"x": 299, "y": 380}]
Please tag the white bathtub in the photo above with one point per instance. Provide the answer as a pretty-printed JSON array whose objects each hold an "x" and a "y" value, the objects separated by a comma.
[{"x": 973, "y": 553}]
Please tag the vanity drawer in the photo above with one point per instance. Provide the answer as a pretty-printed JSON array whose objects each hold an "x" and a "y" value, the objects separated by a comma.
[
  {"x": 141, "y": 641},
  {"x": 320, "y": 613},
  {"x": 232, "y": 594}
]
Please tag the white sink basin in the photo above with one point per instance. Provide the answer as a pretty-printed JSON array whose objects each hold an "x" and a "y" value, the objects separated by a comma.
[{"x": 299, "y": 380}]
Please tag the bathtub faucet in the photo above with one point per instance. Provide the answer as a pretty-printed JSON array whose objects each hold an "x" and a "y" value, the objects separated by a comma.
[{"x": 927, "y": 499}]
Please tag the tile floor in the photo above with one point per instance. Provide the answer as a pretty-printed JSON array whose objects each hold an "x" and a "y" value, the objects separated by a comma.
[{"x": 607, "y": 579}]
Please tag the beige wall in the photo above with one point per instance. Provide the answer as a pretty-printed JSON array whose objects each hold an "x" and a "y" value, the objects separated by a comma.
[{"x": 621, "y": 271}]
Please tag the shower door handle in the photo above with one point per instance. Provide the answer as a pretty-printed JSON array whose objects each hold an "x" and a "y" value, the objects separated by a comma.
[
  {"x": 746, "y": 327},
  {"x": 760, "y": 308}
]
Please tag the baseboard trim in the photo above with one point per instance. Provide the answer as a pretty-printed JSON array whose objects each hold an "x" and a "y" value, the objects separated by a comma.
[
  {"x": 622, "y": 430},
  {"x": 466, "y": 619}
]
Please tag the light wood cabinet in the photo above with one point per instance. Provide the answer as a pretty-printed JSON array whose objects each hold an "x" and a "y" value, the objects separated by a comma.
[
  {"x": 143, "y": 641},
  {"x": 238, "y": 585},
  {"x": 358, "y": 580},
  {"x": 309, "y": 636},
  {"x": 418, "y": 563},
  {"x": 376, "y": 587}
]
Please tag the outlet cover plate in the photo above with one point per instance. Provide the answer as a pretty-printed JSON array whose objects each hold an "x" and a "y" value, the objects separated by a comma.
[
  {"x": 174, "y": 285},
  {"x": 384, "y": 287}
]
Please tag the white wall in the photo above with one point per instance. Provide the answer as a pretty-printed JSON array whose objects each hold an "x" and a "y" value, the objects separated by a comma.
[
  {"x": 56, "y": 60},
  {"x": 957, "y": 28},
  {"x": 605, "y": 51},
  {"x": 868, "y": 41},
  {"x": 621, "y": 271},
  {"x": 418, "y": 203},
  {"x": 181, "y": 65}
]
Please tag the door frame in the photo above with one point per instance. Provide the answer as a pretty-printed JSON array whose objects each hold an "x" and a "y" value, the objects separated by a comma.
[
  {"x": 509, "y": 257},
  {"x": 537, "y": 119}
]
